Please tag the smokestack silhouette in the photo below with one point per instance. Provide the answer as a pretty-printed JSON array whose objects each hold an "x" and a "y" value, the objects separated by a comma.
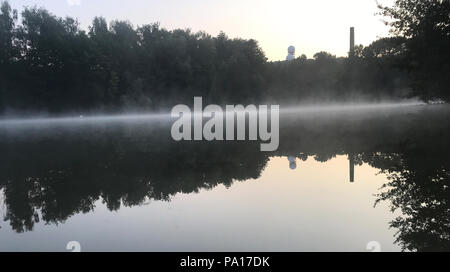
[
  {"x": 352, "y": 42},
  {"x": 351, "y": 161}
]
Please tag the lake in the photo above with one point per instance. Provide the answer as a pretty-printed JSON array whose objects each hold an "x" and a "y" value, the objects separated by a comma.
[{"x": 344, "y": 178}]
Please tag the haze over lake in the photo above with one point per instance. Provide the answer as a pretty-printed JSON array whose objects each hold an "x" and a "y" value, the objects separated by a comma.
[{"x": 124, "y": 184}]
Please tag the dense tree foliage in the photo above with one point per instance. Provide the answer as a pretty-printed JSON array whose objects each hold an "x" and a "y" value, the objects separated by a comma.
[
  {"x": 426, "y": 25},
  {"x": 50, "y": 64}
]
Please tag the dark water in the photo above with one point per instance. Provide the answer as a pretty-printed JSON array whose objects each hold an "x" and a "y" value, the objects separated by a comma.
[{"x": 124, "y": 184}]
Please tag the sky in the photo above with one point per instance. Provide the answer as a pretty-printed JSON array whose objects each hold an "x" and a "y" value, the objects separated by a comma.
[{"x": 309, "y": 25}]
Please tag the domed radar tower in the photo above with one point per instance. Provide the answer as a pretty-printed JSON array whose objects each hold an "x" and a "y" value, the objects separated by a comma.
[
  {"x": 292, "y": 162},
  {"x": 291, "y": 53}
]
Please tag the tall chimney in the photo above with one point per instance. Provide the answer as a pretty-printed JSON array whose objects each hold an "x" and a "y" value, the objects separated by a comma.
[
  {"x": 352, "y": 42},
  {"x": 351, "y": 162}
]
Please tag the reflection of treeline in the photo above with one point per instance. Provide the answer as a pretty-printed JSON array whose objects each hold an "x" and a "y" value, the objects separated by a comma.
[
  {"x": 408, "y": 148},
  {"x": 49, "y": 63},
  {"x": 419, "y": 188},
  {"x": 50, "y": 174},
  {"x": 53, "y": 177}
]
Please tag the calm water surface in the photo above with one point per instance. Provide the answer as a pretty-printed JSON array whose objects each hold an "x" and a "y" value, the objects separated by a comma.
[{"x": 341, "y": 178}]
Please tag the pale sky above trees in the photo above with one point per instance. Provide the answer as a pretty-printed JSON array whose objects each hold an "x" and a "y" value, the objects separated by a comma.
[{"x": 310, "y": 25}]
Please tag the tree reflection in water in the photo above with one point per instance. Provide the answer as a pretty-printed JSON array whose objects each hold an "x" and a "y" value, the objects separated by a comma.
[{"x": 52, "y": 173}]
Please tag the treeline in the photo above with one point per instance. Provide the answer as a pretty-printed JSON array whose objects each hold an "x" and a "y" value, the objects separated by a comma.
[
  {"x": 50, "y": 64},
  {"x": 372, "y": 73},
  {"x": 414, "y": 62}
]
